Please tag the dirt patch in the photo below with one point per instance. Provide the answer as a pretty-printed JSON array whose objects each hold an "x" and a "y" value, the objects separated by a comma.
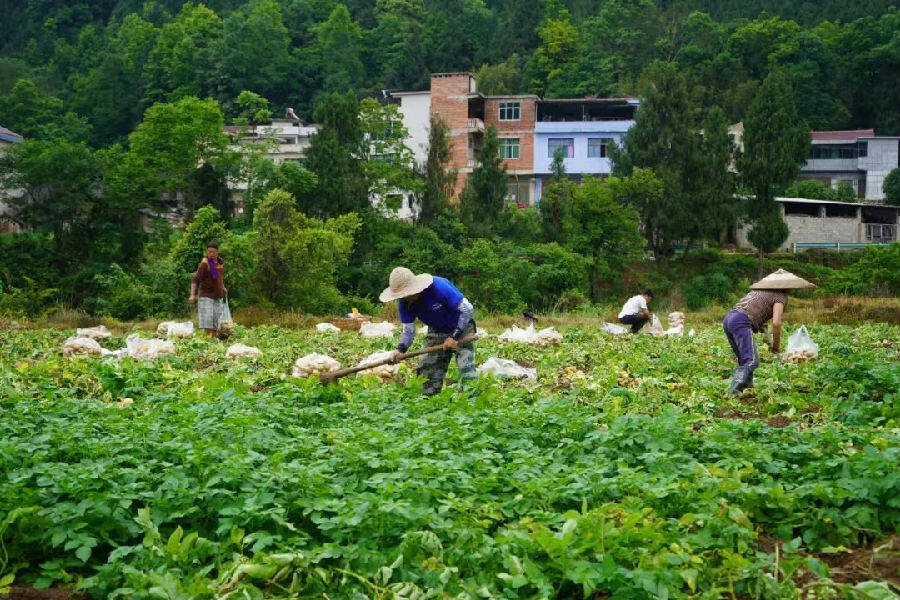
[
  {"x": 880, "y": 560},
  {"x": 29, "y": 593},
  {"x": 779, "y": 421}
]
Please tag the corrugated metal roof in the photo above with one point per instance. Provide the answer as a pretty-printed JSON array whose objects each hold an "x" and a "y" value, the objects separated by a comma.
[
  {"x": 9, "y": 136},
  {"x": 848, "y": 134}
]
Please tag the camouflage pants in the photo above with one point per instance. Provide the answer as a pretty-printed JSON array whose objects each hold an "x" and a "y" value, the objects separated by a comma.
[{"x": 434, "y": 366}]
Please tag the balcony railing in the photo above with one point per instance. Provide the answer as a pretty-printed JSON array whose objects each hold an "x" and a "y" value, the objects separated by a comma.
[{"x": 475, "y": 125}]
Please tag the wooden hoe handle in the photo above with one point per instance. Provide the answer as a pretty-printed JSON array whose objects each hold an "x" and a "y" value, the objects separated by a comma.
[{"x": 326, "y": 378}]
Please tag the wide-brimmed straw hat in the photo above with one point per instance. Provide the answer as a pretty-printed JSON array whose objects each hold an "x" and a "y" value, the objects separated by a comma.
[
  {"x": 403, "y": 283},
  {"x": 782, "y": 280}
]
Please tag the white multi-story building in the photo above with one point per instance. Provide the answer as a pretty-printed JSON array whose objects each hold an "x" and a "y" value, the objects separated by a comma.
[{"x": 857, "y": 157}]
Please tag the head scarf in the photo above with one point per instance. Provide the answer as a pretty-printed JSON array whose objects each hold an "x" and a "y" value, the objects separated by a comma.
[{"x": 213, "y": 270}]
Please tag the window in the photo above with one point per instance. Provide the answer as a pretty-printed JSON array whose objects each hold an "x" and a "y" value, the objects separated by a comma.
[
  {"x": 510, "y": 111},
  {"x": 832, "y": 151},
  {"x": 509, "y": 148},
  {"x": 567, "y": 145},
  {"x": 598, "y": 147},
  {"x": 517, "y": 192},
  {"x": 863, "y": 148}
]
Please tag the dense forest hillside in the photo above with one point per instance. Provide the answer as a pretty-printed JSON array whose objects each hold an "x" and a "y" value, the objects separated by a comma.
[{"x": 107, "y": 61}]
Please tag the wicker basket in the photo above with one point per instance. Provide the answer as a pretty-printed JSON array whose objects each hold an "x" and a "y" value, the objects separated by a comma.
[{"x": 349, "y": 324}]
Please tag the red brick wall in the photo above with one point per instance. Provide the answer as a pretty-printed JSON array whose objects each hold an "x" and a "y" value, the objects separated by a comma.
[
  {"x": 449, "y": 100},
  {"x": 522, "y": 129}
]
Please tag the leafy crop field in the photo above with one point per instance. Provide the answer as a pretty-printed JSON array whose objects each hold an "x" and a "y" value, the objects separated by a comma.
[{"x": 623, "y": 472}]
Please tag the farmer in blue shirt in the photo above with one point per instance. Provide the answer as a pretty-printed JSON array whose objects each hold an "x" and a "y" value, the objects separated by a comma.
[{"x": 437, "y": 303}]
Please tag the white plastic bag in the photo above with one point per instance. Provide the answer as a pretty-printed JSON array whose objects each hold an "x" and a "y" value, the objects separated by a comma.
[
  {"x": 175, "y": 329},
  {"x": 481, "y": 332},
  {"x": 387, "y": 371},
  {"x": 143, "y": 349},
  {"x": 100, "y": 332},
  {"x": 613, "y": 329},
  {"x": 800, "y": 347},
  {"x": 654, "y": 327},
  {"x": 530, "y": 336},
  {"x": 242, "y": 351},
  {"x": 327, "y": 328},
  {"x": 502, "y": 368},
  {"x": 226, "y": 323},
  {"x": 375, "y": 330},
  {"x": 81, "y": 346},
  {"x": 313, "y": 364},
  {"x": 676, "y": 324}
]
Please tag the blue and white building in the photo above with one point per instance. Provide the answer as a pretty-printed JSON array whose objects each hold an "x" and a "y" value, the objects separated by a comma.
[{"x": 584, "y": 128}]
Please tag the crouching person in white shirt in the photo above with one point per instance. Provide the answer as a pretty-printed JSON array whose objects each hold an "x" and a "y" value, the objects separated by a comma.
[{"x": 635, "y": 311}]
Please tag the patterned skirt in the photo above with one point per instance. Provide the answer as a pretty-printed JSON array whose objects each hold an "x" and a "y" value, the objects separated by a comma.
[{"x": 212, "y": 311}]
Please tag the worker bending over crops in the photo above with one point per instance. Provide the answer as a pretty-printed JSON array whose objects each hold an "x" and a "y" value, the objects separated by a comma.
[
  {"x": 437, "y": 303},
  {"x": 765, "y": 302},
  {"x": 635, "y": 311}
]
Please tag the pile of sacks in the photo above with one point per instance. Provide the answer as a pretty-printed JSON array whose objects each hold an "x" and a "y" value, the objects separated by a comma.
[
  {"x": 314, "y": 364},
  {"x": 385, "y": 372},
  {"x": 81, "y": 346},
  {"x": 170, "y": 329},
  {"x": 502, "y": 368},
  {"x": 375, "y": 330},
  {"x": 100, "y": 332},
  {"x": 242, "y": 351},
  {"x": 530, "y": 336}
]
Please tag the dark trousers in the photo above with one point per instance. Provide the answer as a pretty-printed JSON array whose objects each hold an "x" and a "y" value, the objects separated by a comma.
[
  {"x": 636, "y": 322},
  {"x": 739, "y": 331}
]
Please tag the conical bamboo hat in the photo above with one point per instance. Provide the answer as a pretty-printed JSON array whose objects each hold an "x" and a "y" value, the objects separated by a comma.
[{"x": 782, "y": 280}]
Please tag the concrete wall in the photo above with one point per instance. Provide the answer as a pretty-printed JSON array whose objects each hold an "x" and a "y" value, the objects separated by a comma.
[
  {"x": 813, "y": 230},
  {"x": 882, "y": 158},
  {"x": 580, "y": 131},
  {"x": 415, "y": 110}
]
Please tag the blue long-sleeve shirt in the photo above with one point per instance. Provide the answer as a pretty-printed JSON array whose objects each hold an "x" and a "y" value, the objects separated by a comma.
[{"x": 440, "y": 306}]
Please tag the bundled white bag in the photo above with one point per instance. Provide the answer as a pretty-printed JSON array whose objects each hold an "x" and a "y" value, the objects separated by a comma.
[
  {"x": 530, "y": 336},
  {"x": 242, "y": 351},
  {"x": 327, "y": 328},
  {"x": 385, "y": 372},
  {"x": 676, "y": 324},
  {"x": 81, "y": 346},
  {"x": 313, "y": 364},
  {"x": 175, "y": 329},
  {"x": 502, "y": 368},
  {"x": 376, "y": 330},
  {"x": 144, "y": 349},
  {"x": 100, "y": 332},
  {"x": 613, "y": 329},
  {"x": 654, "y": 327},
  {"x": 800, "y": 347}
]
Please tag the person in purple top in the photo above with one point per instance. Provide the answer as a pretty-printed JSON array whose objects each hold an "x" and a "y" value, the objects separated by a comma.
[{"x": 437, "y": 303}]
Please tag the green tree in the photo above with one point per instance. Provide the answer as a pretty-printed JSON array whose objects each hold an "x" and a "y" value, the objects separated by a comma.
[
  {"x": 439, "y": 179},
  {"x": 556, "y": 200},
  {"x": 601, "y": 227},
  {"x": 776, "y": 145},
  {"x": 845, "y": 192},
  {"x": 892, "y": 188},
  {"x": 33, "y": 115},
  {"x": 485, "y": 192},
  {"x": 501, "y": 78},
  {"x": 338, "y": 52},
  {"x": 254, "y": 52},
  {"x": 252, "y": 109},
  {"x": 669, "y": 137},
  {"x": 399, "y": 49},
  {"x": 334, "y": 156},
  {"x": 554, "y": 64},
  {"x": 812, "y": 189},
  {"x": 387, "y": 161},
  {"x": 206, "y": 226},
  {"x": 297, "y": 258},
  {"x": 183, "y": 59},
  {"x": 168, "y": 146}
]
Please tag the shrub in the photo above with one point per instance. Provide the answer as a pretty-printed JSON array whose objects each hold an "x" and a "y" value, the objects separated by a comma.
[
  {"x": 703, "y": 290},
  {"x": 874, "y": 273}
]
